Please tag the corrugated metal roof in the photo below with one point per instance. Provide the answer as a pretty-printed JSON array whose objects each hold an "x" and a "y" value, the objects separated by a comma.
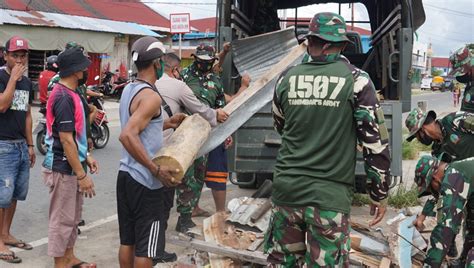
[
  {"x": 256, "y": 55},
  {"x": 46, "y": 19},
  {"x": 126, "y": 11},
  {"x": 245, "y": 207}
]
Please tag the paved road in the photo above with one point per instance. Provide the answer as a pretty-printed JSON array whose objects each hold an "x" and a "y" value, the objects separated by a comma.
[
  {"x": 31, "y": 220},
  {"x": 441, "y": 102}
]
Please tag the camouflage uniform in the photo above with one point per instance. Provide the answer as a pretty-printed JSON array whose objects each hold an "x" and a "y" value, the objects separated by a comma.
[
  {"x": 306, "y": 220},
  {"x": 457, "y": 199},
  {"x": 208, "y": 89},
  {"x": 462, "y": 61}
]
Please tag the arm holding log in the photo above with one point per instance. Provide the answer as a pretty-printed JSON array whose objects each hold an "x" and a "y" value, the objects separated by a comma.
[{"x": 143, "y": 109}]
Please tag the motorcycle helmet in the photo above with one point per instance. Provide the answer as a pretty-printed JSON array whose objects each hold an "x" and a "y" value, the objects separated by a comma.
[{"x": 51, "y": 63}]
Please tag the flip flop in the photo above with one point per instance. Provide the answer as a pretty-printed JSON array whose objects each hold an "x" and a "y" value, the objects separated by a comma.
[
  {"x": 4, "y": 257},
  {"x": 19, "y": 244},
  {"x": 79, "y": 265}
]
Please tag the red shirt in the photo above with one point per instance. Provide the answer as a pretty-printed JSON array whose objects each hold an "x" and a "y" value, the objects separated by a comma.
[{"x": 43, "y": 82}]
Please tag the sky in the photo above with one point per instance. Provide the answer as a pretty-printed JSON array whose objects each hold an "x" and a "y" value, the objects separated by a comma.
[{"x": 449, "y": 23}]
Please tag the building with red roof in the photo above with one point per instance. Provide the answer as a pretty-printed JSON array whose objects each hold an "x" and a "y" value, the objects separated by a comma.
[
  {"x": 126, "y": 11},
  {"x": 106, "y": 29},
  {"x": 441, "y": 63}
]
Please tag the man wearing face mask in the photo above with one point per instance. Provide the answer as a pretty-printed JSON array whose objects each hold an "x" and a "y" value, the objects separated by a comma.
[
  {"x": 462, "y": 61},
  {"x": 452, "y": 136},
  {"x": 178, "y": 98}
]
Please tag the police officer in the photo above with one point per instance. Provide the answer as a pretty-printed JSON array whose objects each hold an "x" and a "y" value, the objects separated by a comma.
[
  {"x": 453, "y": 185},
  {"x": 321, "y": 108},
  {"x": 462, "y": 61}
]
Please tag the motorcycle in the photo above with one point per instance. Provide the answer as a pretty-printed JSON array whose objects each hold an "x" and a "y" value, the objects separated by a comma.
[
  {"x": 115, "y": 88},
  {"x": 40, "y": 132},
  {"x": 100, "y": 132}
]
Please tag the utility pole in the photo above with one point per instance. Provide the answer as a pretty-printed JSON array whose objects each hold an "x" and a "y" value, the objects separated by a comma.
[{"x": 352, "y": 17}]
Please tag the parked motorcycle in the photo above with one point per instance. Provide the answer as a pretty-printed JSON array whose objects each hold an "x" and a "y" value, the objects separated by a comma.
[
  {"x": 113, "y": 88},
  {"x": 100, "y": 132},
  {"x": 40, "y": 132}
]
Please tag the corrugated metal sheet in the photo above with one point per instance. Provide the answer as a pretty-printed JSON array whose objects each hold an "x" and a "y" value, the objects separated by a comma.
[
  {"x": 46, "y": 19},
  {"x": 256, "y": 55},
  {"x": 245, "y": 207}
]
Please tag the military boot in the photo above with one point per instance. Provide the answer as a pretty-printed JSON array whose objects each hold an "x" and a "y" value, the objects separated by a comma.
[{"x": 184, "y": 223}]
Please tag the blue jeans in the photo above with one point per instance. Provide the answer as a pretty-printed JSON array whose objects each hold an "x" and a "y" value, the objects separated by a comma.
[{"x": 14, "y": 171}]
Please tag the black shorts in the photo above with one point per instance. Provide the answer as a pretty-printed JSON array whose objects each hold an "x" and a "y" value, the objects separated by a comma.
[{"x": 140, "y": 215}]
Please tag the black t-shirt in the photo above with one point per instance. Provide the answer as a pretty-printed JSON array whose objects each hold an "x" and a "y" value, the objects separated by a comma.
[
  {"x": 65, "y": 113},
  {"x": 13, "y": 121}
]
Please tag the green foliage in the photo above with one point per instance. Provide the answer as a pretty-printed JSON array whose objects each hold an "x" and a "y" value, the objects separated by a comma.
[
  {"x": 403, "y": 197},
  {"x": 411, "y": 150},
  {"x": 436, "y": 72}
]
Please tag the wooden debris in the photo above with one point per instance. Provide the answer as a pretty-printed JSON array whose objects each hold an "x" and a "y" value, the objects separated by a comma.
[
  {"x": 183, "y": 145},
  {"x": 385, "y": 263},
  {"x": 361, "y": 259},
  {"x": 216, "y": 230},
  {"x": 211, "y": 247}
]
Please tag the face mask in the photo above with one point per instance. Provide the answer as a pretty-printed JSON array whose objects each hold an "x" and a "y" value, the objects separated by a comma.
[
  {"x": 205, "y": 66},
  {"x": 83, "y": 80},
  {"x": 176, "y": 73},
  {"x": 425, "y": 139},
  {"x": 159, "y": 72}
]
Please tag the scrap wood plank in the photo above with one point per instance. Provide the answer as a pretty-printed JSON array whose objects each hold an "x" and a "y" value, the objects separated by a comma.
[
  {"x": 385, "y": 263},
  {"x": 266, "y": 78},
  {"x": 211, "y": 247},
  {"x": 216, "y": 230},
  {"x": 359, "y": 258}
]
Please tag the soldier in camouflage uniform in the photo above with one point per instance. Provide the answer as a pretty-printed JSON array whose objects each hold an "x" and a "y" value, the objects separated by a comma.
[
  {"x": 462, "y": 61},
  {"x": 322, "y": 108},
  {"x": 453, "y": 185},
  {"x": 452, "y": 138},
  {"x": 207, "y": 87}
]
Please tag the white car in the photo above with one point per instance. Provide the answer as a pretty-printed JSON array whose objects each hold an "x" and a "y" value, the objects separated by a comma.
[{"x": 426, "y": 83}]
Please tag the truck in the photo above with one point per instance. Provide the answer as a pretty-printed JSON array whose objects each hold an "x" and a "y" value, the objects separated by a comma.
[{"x": 392, "y": 24}]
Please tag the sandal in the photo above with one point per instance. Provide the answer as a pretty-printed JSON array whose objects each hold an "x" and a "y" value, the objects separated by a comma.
[
  {"x": 9, "y": 257},
  {"x": 79, "y": 265},
  {"x": 19, "y": 244}
]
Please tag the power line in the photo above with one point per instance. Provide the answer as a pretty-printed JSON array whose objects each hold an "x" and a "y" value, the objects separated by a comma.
[{"x": 452, "y": 11}]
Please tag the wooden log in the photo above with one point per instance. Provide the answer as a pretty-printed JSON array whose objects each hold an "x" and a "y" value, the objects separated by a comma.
[{"x": 183, "y": 145}]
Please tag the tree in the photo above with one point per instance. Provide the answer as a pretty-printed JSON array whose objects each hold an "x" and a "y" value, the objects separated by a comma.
[{"x": 436, "y": 72}]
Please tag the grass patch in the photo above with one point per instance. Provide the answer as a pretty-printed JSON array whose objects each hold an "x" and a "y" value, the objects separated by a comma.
[
  {"x": 411, "y": 150},
  {"x": 402, "y": 198}
]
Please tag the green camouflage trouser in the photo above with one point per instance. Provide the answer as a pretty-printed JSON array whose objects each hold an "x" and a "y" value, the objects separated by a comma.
[
  {"x": 189, "y": 191},
  {"x": 325, "y": 232}
]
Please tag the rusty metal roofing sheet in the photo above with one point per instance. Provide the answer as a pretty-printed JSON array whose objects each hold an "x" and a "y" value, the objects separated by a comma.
[
  {"x": 46, "y": 19},
  {"x": 244, "y": 207},
  {"x": 256, "y": 55}
]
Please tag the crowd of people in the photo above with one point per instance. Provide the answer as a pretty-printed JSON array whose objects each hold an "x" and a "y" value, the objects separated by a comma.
[{"x": 313, "y": 181}]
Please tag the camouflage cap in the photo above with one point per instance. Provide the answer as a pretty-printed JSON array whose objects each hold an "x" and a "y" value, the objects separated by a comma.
[
  {"x": 205, "y": 52},
  {"x": 424, "y": 173},
  {"x": 415, "y": 120},
  {"x": 328, "y": 26},
  {"x": 462, "y": 60}
]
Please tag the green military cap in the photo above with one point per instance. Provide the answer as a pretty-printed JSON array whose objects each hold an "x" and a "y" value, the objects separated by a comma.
[
  {"x": 328, "y": 26},
  {"x": 205, "y": 52},
  {"x": 415, "y": 120},
  {"x": 462, "y": 60},
  {"x": 424, "y": 173}
]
